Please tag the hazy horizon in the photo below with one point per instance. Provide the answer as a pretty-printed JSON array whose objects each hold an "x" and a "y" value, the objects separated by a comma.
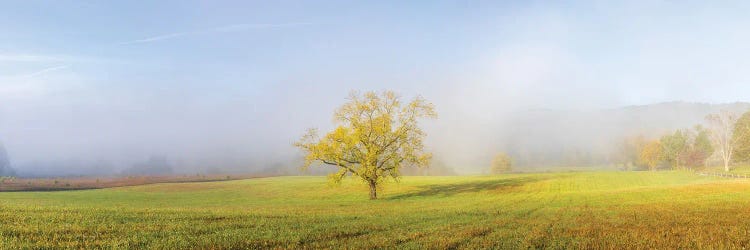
[{"x": 100, "y": 87}]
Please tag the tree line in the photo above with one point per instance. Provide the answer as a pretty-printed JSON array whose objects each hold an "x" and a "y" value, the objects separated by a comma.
[{"x": 726, "y": 138}]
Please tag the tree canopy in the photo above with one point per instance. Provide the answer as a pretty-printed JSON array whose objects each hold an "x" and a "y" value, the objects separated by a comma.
[
  {"x": 673, "y": 146},
  {"x": 377, "y": 135},
  {"x": 627, "y": 152},
  {"x": 698, "y": 148},
  {"x": 502, "y": 163},
  {"x": 651, "y": 155},
  {"x": 742, "y": 138},
  {"x": 5, "y": 168}
]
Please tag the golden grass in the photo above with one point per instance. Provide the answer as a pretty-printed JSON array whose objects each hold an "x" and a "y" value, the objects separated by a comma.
[{"x": 603, "y": 210}]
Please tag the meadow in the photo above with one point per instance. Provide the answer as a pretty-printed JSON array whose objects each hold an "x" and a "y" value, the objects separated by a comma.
[{"x": 666, "y": 209}]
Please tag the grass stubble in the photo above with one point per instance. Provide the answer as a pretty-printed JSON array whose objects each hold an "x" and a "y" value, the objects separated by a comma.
[{"x": 603, "y": 210}]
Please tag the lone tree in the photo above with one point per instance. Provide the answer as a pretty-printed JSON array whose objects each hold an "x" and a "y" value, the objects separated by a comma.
[
  {"x": 376, "y": 136},
  {"x": 501, "y": 164},
  {"x": 722, "y": 135}
]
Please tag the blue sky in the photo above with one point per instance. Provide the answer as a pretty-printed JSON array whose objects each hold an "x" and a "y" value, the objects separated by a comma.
[{"x": 224, "y": 80}]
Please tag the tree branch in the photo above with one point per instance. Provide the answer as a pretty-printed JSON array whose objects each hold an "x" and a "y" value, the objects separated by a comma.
[{"x": 338, "y": 164}]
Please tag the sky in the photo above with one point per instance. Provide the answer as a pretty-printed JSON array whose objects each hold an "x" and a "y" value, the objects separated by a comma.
[{"x": 235, "y": 83}]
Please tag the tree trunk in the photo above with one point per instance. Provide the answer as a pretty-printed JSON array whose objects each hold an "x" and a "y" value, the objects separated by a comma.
[
  {"x": 373, "y": 191},
  {"x": 726, "y": 166}
]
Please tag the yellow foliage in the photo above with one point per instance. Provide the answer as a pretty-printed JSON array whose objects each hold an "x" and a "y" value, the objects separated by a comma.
[
  {"x": 651, "y": 155},
  {"x": 376, "y": 136},
  {"x": 501, "y": 164}
]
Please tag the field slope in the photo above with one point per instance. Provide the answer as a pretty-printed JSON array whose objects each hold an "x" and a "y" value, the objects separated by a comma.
[{"x": 555, "y": 210}]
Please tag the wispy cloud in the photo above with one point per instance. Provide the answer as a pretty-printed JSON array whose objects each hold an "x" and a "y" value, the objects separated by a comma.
[
  {"x": 30, "y": 58},
  {"x": 50, "y": 58},
  {"x": 248, "y": 26},
  {"x": 158, "y": 38},
  {"x": 4, "y": 79},
  {"x": 45, "y": 71},
  {"x": 222, "y": 29}
]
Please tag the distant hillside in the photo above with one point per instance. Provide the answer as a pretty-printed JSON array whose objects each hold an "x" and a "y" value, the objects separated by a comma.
[
  {"x": 550, "y": 137},
  {"x": 662, "y": 117}
]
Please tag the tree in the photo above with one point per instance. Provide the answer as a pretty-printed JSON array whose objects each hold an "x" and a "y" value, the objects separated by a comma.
[
  {"x": 376, "y": 136},
  {"x": 741, "y": 136},
  {"x": 698, "y": 148},
  {"x": 722, "y": 126},
  {"x": 672, "y": 146},
  {"x": 686, "y": 148},
  {"x": 502, "y": 163},
  {"x": 627, "y": 151},
  {"x": 5, "y": 168},
  {"x": 702, "y": 140},
  {"x": 651, "y": 155}
]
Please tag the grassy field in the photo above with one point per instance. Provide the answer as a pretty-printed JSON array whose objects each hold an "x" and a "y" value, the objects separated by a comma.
[
  {"x": 550, "y": 210},
  {"x": 740, "y": 170}
]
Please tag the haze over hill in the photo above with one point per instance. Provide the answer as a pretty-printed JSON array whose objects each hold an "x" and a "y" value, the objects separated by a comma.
[
  {"x": 534, "y": 138},
  {"x": 547, "y": 137},
  {"x": 585, "y": 138}
]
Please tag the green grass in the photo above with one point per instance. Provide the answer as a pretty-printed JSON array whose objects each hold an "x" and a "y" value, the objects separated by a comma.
[
  {"x": 738, "y": 169},
  {"x": 551, "y": 210}
]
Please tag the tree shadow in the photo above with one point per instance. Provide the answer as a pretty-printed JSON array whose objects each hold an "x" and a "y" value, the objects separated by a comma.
[{"x": 469, "y": 187}]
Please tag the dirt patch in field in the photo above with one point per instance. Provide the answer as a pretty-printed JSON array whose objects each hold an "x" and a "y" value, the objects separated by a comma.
[
  {"x": 181, "y": 187},
  {"x": 80, "y": 183}
]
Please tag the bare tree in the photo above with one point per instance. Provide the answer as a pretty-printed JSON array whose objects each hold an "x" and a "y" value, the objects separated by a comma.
[{"x": 721, "y": 126}]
